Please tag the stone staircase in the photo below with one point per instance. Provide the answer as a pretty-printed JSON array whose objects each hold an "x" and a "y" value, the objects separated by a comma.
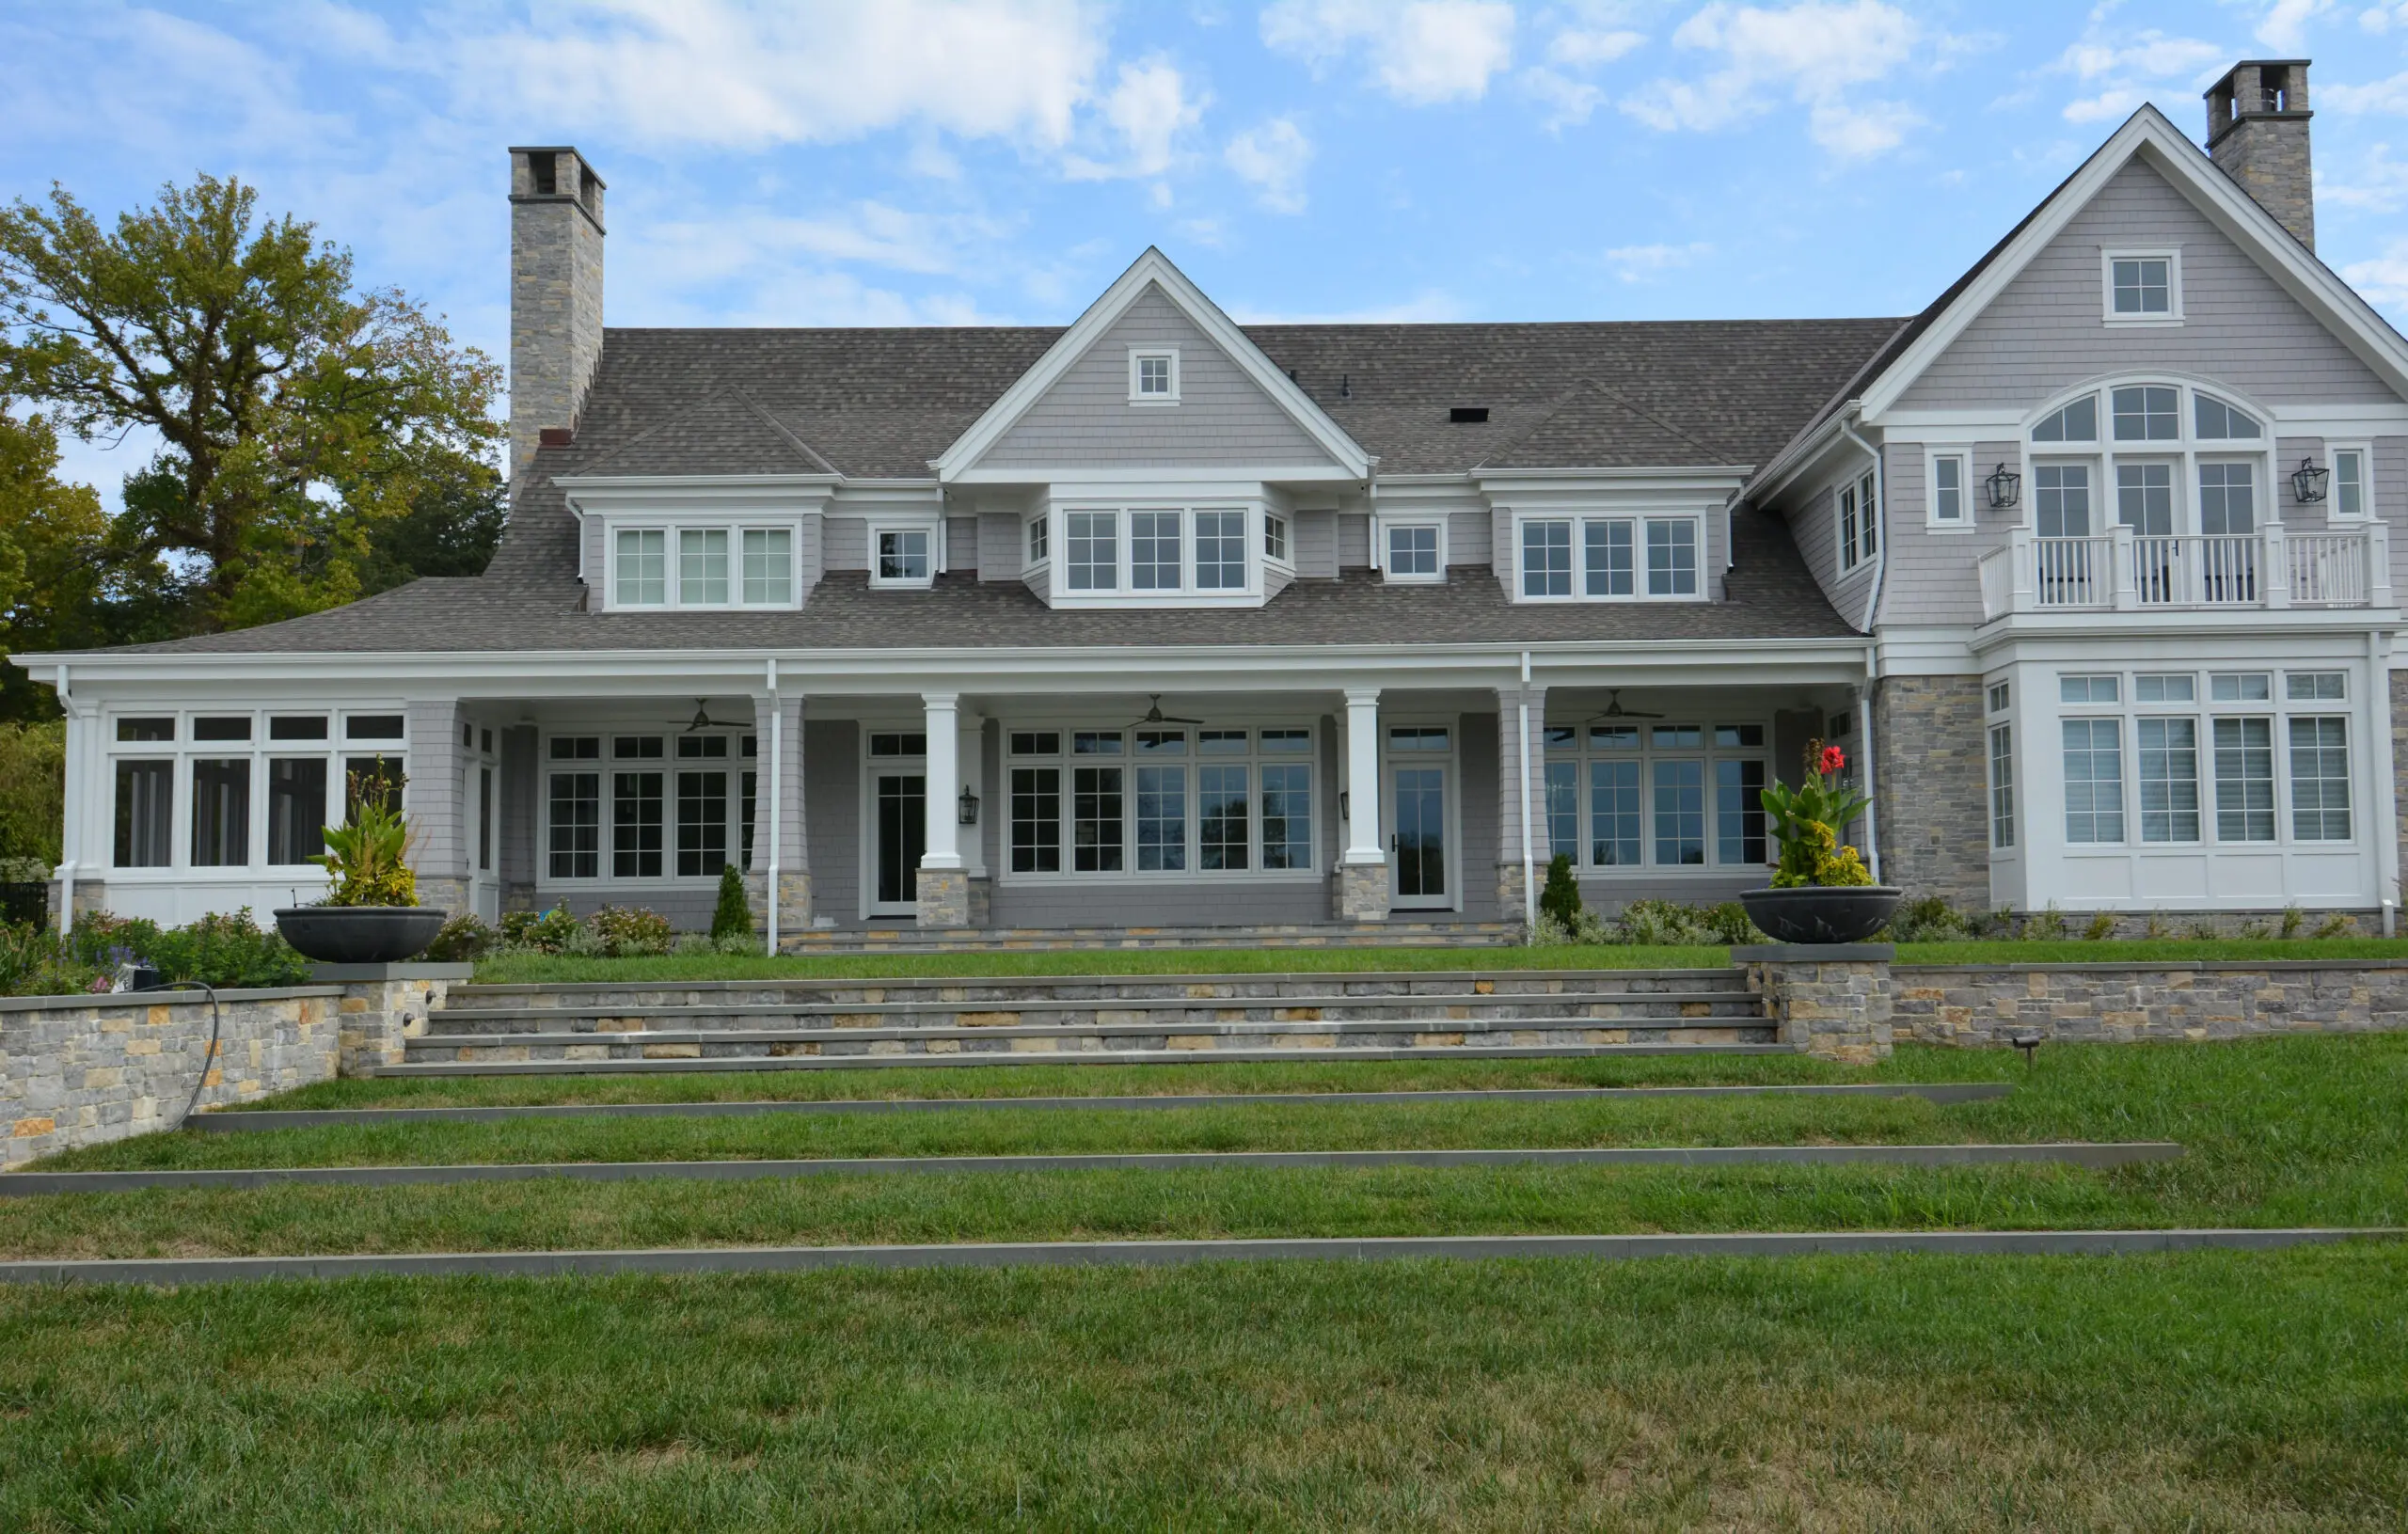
[
  {"x": 1034, "y": 1020},
  {"x": 907, "y": 938}
]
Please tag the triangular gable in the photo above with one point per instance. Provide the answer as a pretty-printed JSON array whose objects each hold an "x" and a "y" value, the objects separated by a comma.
[
  {"x": 1922, "y": 339},
  {"x": 1593, "y": 427},
  {"x": 2234, "y": 213},
  {"x": 1151, "y": 273},
  {"x": 726, "y": 434}
]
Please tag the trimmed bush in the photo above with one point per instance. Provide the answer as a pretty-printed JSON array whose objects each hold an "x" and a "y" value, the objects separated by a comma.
[
  {"x": 622, "y": 931},
  {"x": 546, "y": 932},
  {"x": 464, "y": 939},
  {"x": 732, "y": 916},
  {"x": 1561, "y": 896}
]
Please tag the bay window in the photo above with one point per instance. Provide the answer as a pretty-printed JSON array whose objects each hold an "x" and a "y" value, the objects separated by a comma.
[
  {"x": 1621, "y": 558},
  {"x": 1156, "y": 551}
]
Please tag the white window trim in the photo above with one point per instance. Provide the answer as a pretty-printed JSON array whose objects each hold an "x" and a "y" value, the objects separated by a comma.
[
  {"x": 1386, "y": 526},
  {"x": 735, "y": 764},
  {"x": 1707, "y": 751},
  {"x": 2172, "y": 256},
  {"x": 258, "y": 750},
  {"x": 1150, "y": 354},
  {"x": 1186, "y": 593},
  {"x": 1031, "y": 561},
  {"x": 1846, "y": 530},
  {"x": 2186, "y": 451},
  {"x": 670, "y": 528},
  {"x": 930, "y": 523},
  {"x": 1253, "y": 759},
  {"x": 1637, "y": 516},
  {"x": 1963, "y": 453},
  {"x": 2332, "y": 487},
  {"x": 1284, "y": 563}
]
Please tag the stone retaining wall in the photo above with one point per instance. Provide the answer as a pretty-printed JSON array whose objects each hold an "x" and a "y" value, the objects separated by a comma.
[
  {"x": 1977, "y": 1004},
  {"x": 78, "y": 1071}
]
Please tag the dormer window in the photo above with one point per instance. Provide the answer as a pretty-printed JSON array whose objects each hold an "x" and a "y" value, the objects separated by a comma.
[
  {"x": 1155, "y": 556},
  {"x": 1038, "y": 541},
  {"x": 1415, "y": 551},
  {"x": 1618, "y": 558},
  {"x": 1153, "y": 377},
  {"x": 2143, "y": 287},
  {"x": 904, "y": 556},
  {"x": 716, "y": 565}
]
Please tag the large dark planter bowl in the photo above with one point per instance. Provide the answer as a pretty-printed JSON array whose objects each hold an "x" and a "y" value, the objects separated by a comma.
[
  {"x": 359, "y": 934},
  {"x": 1817, "y": 913}
]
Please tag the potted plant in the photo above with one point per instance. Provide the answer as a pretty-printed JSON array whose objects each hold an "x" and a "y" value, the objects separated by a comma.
[
  {"x": 371, "y": 915},
  {"x": 1821, "y": 891}
]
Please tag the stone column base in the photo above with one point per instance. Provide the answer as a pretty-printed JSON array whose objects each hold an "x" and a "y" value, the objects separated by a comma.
[
  {"x": 443, "y": 890},
  {"x": 982, "y": 900},
  {"x": 945, "y": 897},
  {"x": 1363, "y": 891},
  {"x": 90, "y": 895},
  {"x": 794, "y": 901},
  {"x": 382, "y": 1006},
  {"x": 1831, "y": 1001},
  {"x": 1509, "y": 890}
]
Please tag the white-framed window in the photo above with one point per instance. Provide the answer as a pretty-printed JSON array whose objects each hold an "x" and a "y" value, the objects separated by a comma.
[
  {"x": 2094, "y": 766},
  {"x": 1415, "y": 551},
  {"x": 1667, "y": 795},
  {"x": 1274, "y": 537},
  {"x": 635, "y": 805},
  {"x": 2319, "y": 753},
  {"x": 2002, "y": 785},
  {"x": 1039, "y": 539},
  {"x": 1153, "y": 376},
  {"x": 2145, "y": 413},
  {"x": 2076, "y": 420},
  {"x": 1220, "y": 551},
  {"x": 1156, "y": 559},
  {"x": 1949, "y": 491},
  {"x": 1158, "y": 801},
  {"x": 1593, "y": 558},
  {"x": 2001, "y": 693},
  {"x": 2141, "y": 287},
  {"x": 2351, "y": 494},
  {"x": 1157, "y": 551},
  {"x": 231, "y": 787},
  {"x": 713, "y": 565},
  {"x": 1092, "y": 541},
  {"x": 1858, "y": 533}
]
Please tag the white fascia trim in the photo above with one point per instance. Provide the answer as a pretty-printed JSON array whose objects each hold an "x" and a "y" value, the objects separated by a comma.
[
  {"x": 2146, "y": 133},
  {"x": 1956, "y": 425},
  {"x": 1942, "y": 651},
  {"x": 1680, "y": 473},
  {"x": 1808, "y": 453},
  {"x": 2341, "y": 420},
  {"x": 1156, "y": 268},
  {"x": 1266, "y": 475},
  {"x": 2265, "y": 622},
  {"x": 516, "y": 678}
]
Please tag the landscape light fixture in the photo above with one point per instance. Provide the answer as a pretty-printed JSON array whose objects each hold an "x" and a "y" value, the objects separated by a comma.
[
  {"x": 2004, "y": 484},
  {"x": 2029, "y": 1044},
  {"x": 2308, "y": 481}
]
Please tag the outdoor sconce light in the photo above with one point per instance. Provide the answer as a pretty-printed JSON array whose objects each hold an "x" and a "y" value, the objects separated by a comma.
[
  {"x": 2002, "y": 484},
  {"x": 2308, "y": 481},
  {"x": 969, "y": 808}
]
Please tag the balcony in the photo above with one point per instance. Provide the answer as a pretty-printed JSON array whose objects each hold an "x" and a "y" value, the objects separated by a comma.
[{"x": 2125, "y": 571}]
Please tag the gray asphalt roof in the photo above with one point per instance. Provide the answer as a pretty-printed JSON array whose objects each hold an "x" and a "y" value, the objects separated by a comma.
[{"x": 875, "y": 404}]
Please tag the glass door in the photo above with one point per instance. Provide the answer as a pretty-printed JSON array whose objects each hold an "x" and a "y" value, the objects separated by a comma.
[{"x": 902, "y": 837}]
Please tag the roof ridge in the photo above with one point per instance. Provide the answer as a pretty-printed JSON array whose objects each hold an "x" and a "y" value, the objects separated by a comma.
[
  {"x": 724, "y": 391},
  {"x": 782, "y": 429}
]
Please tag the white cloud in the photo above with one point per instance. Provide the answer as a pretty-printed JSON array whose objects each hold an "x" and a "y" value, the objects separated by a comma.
[
  {"x": 1587, "y": 48},
  {"x": 1272, "y": 158},
  {"x": 2384, "y": 278},
  {"x": 1636, "y": 263},
  {"x": 1421, "y": 52},
  {"x": 2378, "y": 184},
  {"x": 1429, "y": 307},
  {"x": 2119, "y": 71},
  {"x": 1816, "y": 54},
  {"x": 2389, "y": 95},
  {"x": 2284, "y": 27},
  {"x": 1569, "y": 102},
  {"x": 723, "y": 73},
  {"x": 1148, "y": 111},
  {"x": 2380, "y": 19}
]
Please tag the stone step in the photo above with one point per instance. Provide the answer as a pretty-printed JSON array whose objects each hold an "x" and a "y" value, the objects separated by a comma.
[
  {"x": 1155, "y": 1038},
  {"x": 1166, "y": 1013},
  {"x": 1392, "y": 934},
  {"x": 654, "y": 1065},
  {"x": 616, "y": 996}
]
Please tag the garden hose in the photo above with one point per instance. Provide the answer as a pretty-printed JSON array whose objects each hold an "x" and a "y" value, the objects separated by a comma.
[{"x": 216, "y": 1018}]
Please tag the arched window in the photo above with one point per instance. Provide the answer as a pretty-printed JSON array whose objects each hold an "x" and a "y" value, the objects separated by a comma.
[{"x": 2078, "y": 421}]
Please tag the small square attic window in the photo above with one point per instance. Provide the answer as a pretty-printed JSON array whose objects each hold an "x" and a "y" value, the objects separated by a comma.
[{"x": 1153, "y": 377}]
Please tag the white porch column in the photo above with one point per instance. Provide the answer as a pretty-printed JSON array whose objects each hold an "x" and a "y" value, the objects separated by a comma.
[
  {"x": 1363, "y": 872},
  {"x": 780, "y": 848},
  {"x": 943, "y": 885}
]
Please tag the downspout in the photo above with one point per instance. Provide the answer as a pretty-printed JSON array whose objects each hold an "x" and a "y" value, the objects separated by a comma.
[
  {"x": 68, "y": 840},
  {"x": 777, "y": 795},
  {"x": 1529, "y": 894},
  {"x": 1879, "y": 514},
  {"x": 2387, "y": 848}
]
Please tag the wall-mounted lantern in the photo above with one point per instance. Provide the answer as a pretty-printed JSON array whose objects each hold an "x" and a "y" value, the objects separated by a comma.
[
  {"x": 2308, "y": 481},
  {"x": 2004, "y": 484},
  {"x": 969, "y": 807}
]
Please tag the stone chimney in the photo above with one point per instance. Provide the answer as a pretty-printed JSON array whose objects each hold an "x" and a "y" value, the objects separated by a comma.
[
  {"x": 2257, "y": 133},
  {"x": 555, "y": 295}
]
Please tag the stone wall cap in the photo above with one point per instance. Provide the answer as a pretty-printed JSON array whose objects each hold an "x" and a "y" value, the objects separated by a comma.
[
  {"x": 1813, "y": 953},
  {"x": 354, "y": 974},
  {"x": 178, "y": 996},
  {"x": 2221, "y": 966}
]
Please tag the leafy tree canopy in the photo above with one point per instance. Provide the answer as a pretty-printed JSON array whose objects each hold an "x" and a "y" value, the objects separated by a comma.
[{"x": 320, "y": 441}]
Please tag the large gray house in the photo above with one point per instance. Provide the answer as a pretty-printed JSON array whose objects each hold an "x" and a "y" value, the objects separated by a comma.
[{"x": 1161, "y": 621}]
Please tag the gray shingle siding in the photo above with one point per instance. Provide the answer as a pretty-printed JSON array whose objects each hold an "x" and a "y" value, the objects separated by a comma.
[
  {"x": 1468, "y": 540},
  {"x": 1223, "y": 416},
  {"x": 832, "y": 789},
  {"x": 844, "y": 542},
  {"x": 999, "y": 546},
  {"x": 1933, "y": 576},
  {"x": 961, "y": 552},
  {"x": 1353, "y": 539},
  {"x": 1316, "y": 544},
  {"x": 2045, "y": 331}
]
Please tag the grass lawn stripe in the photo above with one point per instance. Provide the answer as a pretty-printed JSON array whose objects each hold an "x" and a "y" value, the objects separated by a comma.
[
  {"x": 2090, "y": 1244},
  {"x": 33, "y": 1184},
  {"x": 2246, "y": 1391}
]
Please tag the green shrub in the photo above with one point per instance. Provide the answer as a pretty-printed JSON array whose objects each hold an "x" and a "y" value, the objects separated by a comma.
[
  {"x": 732, "y": 916},
  {"x": 464, "y": 939},
  {"x": 35, "y": 961},
  {"x": 623, "y": 931},
  {"x": 1928, "y": 919},
  {"x": 546, "y": 932},
  {"x": 226, "y": 950},
  {"x": 1561, "y": 896},
  {"x": 1731, "y": 926}
]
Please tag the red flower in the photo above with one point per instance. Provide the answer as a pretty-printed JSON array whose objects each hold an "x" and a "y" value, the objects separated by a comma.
[{"x": 1834, "y": 761}]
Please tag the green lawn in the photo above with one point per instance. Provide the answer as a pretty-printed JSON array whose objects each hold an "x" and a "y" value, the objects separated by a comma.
[
  {"x": 2309, "y": 1131},
  {"x": 521, "y": 968},
  {"x": 2213, "y": 1390}
]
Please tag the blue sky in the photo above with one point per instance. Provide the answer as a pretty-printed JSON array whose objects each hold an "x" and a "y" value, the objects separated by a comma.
[{"x": 972, "y": 161}]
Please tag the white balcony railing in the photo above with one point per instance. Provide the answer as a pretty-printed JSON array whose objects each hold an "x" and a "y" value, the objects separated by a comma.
[{"x": 2126, "y": 571}]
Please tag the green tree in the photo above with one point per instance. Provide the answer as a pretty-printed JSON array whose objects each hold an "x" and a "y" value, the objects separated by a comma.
[
  {"x": 298, "y": 414},
  {"x": 51, "y": 561}
]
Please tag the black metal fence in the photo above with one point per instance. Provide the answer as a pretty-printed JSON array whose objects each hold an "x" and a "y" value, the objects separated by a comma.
[{"x": 24, "y": 902}]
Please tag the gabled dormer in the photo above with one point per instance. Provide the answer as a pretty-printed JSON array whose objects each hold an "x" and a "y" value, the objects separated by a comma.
[{"x": 1151, "y": 457}]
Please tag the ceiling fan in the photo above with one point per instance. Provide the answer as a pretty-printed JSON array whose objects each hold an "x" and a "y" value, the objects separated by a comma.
[
  {"x": 703, "y": 719},
  {"x": 1154, "y": 715},
  {"x": 1614, "y": 710}
]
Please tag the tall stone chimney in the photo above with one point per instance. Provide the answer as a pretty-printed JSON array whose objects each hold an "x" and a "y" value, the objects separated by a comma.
[
  {"x": 2257, "y": 132},
  {"x": 555, "y": 294}
]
